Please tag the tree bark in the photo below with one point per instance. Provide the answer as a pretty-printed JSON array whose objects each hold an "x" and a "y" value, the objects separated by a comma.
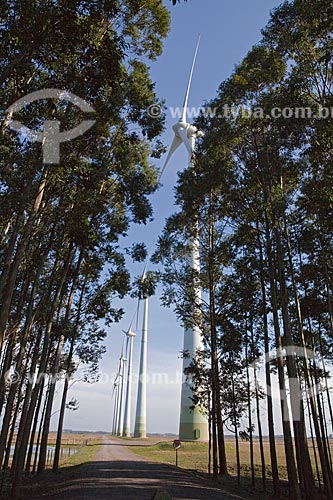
[
  {"x": 271, "y": 431},
  {"x": 66, "y": 384},
  {"x": 17, "y": 472},
  {"x": 288, "y": 442}
]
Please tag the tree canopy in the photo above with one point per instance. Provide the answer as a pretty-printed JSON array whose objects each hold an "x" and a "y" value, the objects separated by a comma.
[
  {"x": 259, "y": 195},
  {"x": 62, "y": 265}
]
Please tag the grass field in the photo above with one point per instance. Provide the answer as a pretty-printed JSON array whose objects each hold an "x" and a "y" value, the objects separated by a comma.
[
  {"x": 85, "y": 454},
  {"x": 194, "y": 456},
  {"x": 87, "y": 446},
  {"x": 75, "y": 439}
]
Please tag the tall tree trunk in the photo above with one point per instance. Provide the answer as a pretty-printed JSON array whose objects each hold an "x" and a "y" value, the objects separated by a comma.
[
  {"x": 249, "y": 407},
  {"x": 11, "y": 435},
  {"x": 302, "y": 451},
  {"x": 288, "y": 442},
  {"x": 327, "y": 389},
  {"x": 320, "y": 435},
  {"x": 319, "y": 425},
  {"x": 209, "y": 435},
  {"x": 271, "y": 431},
  {"x": 33, "y": 430},
  {"x": 13, "y": 334},
  {"x": 17, "y": 473},
  {"x": 19, "y": 256},
  {"x": 235, "y": 424},
  {"x": 34, "y": 467},
  {"x": 314, "y": 446},
  {"x": 27, "y": 399},
  {"x": 261, "y": 442},
  {"x": 319, "y": 428},
  {"x": 220, "y": 435},
  {"x": 216, "y": 385},
  {"x": 256, "y": 384},
  {"x": 55, "y": 371},
  {"x": 66, "y": 383},
  {"x": 5, "y": 368},
  {"x": 10, "y": 250},
  {"x": 30, "y": 314}
]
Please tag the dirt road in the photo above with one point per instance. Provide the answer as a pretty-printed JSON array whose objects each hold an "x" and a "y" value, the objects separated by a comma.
[{"x": 118, "y": 474}]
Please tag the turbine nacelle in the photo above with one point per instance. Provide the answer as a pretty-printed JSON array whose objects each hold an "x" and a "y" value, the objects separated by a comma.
[
  {"x": 129, "y": 333},
  {"x": 191, "y": 130}
]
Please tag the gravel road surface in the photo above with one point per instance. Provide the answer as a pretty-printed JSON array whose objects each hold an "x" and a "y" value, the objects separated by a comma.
[{"x": 118, "y": 474}]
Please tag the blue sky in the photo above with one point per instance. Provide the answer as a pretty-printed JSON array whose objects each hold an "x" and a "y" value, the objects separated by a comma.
[{"x": 228, "y": 31}]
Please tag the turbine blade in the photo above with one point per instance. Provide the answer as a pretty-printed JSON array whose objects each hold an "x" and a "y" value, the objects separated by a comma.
[
  {"x": 143, "y": 276},
  {"x": 183, "y": 118},
  {"x": 183, "y": 134},
  {"x": 175, "y": 144}
]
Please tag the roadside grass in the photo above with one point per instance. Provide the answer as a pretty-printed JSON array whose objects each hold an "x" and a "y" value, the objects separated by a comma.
[
  {"x": 190, "y": 456},
  {"x": 194, "y": 456},
  {"x": 84, "y": 455},
  {"x": 85, "y": 450}
]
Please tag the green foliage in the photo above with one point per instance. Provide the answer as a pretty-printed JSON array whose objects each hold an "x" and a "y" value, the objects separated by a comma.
[
  {"x": 62, "y": 264},
  {"x": 145, "y": 286},
  {"x": 259, "y": 196}
]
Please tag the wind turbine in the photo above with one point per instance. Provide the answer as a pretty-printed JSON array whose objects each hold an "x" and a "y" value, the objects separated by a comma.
[
  {"x": 115, "y": 407},
  {"x": 121, "y": 373},
  {"x": 193, "y": 425},
  {"x": 127, "y": 421},
  {"x": 123, "y": 418}
]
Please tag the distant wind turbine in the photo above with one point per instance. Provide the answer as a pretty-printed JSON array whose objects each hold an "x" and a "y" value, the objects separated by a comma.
[
  {"x": 121, "y": 388},
  {"x": 115, "y": 407},
  {"x": 127, "y": 420}
]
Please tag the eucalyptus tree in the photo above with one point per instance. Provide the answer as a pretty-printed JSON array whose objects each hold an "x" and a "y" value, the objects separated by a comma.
[
  {"x": 268, "y": 172},
  {"x": 60, "y": 220},
  {"x": 262, "y": 178},
  {"x": 178, "y": 279}
]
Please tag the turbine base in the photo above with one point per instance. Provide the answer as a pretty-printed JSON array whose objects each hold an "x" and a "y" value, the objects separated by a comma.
[{"x": 190, "y": 432}]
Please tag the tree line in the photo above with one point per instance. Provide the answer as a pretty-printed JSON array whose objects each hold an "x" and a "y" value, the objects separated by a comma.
[
  {"x": 260, "y": 197},
  {"x": 61, "y": 262}
]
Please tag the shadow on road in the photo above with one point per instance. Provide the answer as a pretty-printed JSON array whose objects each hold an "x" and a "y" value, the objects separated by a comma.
[{"x": 123, "y": 480}]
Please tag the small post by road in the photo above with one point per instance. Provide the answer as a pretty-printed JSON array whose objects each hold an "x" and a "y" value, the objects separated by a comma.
[{"x": 177, "y": 444}]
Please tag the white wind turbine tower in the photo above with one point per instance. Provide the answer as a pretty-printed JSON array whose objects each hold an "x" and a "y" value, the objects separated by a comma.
[
  {"x": 121, "y": 388},
  {"x": 140, "y": 428},
  {"x": 193, "y": 425},
  {"x": 115, "y": 407},
  {"x": 127, "y": 421},
  {"x": 122, "y": 400}
]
